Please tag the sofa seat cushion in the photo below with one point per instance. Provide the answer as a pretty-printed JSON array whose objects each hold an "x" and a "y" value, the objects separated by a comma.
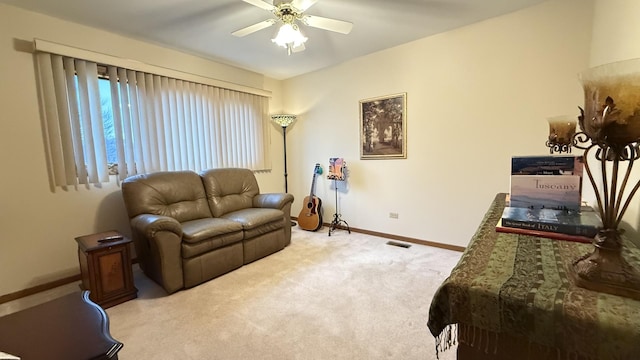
[
  {"x": 197, "y": 230},
  {"x": 257, "y": 221},
  {"x": 208, "y": 234}
]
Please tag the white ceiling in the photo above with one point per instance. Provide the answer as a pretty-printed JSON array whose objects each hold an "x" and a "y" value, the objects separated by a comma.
[{"x": 204, "y": 27}]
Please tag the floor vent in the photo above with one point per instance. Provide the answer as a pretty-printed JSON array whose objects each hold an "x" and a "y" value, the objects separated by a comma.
[{"x": 398, "y": 244}]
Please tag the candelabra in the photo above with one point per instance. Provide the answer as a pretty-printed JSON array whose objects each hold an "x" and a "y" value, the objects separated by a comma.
[{"x": 610, "y": 138}]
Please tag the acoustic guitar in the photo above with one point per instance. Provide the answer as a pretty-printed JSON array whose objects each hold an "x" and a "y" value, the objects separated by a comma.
[{"x": 310, "y": 217}]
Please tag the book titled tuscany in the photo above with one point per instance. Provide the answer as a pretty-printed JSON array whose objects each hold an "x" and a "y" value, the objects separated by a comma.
[
  {"x": 581, "y": 223},
  {"x": 546, "y": 192}
]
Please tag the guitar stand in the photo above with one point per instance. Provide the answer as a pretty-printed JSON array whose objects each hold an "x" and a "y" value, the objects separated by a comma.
[{"x": 337, "y": 220}]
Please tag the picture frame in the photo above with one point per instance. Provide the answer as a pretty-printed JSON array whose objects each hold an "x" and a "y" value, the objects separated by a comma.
[{"x": 383, "y": 127}]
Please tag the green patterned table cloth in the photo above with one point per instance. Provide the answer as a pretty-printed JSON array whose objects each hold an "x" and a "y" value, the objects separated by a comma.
[{"x": 518, "y": 285}]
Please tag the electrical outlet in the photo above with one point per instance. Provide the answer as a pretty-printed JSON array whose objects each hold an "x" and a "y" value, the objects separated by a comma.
[{"x": 393, "y": 215}]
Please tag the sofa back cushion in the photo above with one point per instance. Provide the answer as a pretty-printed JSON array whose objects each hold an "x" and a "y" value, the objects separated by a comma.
[
  {"x": 229, "y": 189},
  {"x": 177, "y": 194}
]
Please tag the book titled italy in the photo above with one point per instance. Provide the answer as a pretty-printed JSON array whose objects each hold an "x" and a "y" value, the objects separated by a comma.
[
  {"x": 581, "y": 223},
  {"x": 544, "y": 234},
  {"x": 546, "y": 192}
]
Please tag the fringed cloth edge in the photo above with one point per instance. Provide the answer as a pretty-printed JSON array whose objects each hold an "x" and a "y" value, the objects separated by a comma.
[
  {"x": 447, "y": 338},
  {"x": 469, "y": 335},
  {"x": 487, "y": 341},
  {"x": 479, "y": 338}
]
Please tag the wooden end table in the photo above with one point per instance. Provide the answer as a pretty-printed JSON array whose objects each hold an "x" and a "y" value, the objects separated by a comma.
[
  {"x": 105, "y": 266},
  {"x": 71, "y": 327}
]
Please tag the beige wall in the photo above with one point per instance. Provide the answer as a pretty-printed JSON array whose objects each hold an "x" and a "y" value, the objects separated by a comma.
[
  {"x": 616, "y": 31},
  {"x": 476, "y": 96},
  {"x": 38, "y": 226}
]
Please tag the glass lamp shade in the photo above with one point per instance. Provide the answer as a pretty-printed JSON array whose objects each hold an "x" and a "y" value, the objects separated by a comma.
[
  {"x": 612, "y": 102},
  {"x": 289, "y": 35},
  {"x": 561, "y": 129},
  {"x": 283, "y": 120}
]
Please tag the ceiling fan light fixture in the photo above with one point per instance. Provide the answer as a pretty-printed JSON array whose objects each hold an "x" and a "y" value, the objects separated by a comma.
[
  {"x": 289, "y": 36},
  {"x": 289, "y": 14}
]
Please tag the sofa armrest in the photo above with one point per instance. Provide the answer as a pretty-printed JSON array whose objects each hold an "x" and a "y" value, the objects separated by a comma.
[
  {"x": 149, "y": 224},
  {"x": 272, "y": 200},
  {"x": 279, "y": 201},
  {"x": 158, "y": 241}
]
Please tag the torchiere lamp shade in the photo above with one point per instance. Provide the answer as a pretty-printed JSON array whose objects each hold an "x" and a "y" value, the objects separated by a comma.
[{"x": 283, "y": 120}]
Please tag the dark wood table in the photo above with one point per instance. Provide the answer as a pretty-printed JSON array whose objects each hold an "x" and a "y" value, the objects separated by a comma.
[
  {"x": 71, "y": 327},
  {"x": 511, "y": 297}
]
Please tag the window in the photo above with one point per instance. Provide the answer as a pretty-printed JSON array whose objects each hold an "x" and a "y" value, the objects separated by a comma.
[
  {"x": 107, "y": 118},
  {"x": 99, "y": 115}
]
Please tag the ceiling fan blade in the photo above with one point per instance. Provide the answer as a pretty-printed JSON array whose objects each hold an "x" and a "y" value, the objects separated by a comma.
[
  {"x": 320, "y": 22},
  {"x": 303, "y": 5},
  {"x": 261, "y": 4},
  {"x": 253, "y": 28},
  {"x": 298, "y": 48}
]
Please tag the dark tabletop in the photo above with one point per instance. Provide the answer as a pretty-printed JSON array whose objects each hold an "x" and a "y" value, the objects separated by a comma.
[{"x": 71, "y": 327}]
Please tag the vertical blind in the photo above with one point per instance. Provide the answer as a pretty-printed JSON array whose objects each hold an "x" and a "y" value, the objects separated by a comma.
[{"x": 160, "y": 123}]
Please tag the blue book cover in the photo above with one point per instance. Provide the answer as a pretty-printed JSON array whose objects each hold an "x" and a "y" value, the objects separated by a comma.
[
  {"x": 547, "y": 165},
  {"x": 582, "y": 223}
]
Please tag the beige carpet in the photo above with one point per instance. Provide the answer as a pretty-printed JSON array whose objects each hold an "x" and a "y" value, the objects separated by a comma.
[{"x": 347, "y": 296}]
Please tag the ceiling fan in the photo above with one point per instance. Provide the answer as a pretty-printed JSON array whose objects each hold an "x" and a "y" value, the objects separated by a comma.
[{"x": 288, "y": 13}]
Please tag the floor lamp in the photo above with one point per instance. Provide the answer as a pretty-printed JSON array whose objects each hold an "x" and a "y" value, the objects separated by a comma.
[{"x": 284, "y": 120}]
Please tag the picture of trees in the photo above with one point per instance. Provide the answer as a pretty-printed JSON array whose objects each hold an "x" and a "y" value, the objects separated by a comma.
[{"x": 383, "y": 127}]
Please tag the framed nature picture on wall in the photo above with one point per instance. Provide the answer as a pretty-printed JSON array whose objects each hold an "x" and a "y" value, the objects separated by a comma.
[{"x": 383, "y": 127}]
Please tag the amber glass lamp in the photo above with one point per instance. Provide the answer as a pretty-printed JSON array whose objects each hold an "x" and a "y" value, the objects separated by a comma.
[
  {"x": 561, "y": 131},
  {"x": 610, "y": 137}
]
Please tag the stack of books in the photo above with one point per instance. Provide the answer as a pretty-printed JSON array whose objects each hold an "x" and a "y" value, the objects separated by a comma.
[{"x": 546, "y": 199}]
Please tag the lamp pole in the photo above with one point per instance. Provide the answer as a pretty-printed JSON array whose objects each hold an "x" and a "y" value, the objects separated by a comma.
[
  {"x": 284, "y": 120},
  {"x": 284, "y": 137}
]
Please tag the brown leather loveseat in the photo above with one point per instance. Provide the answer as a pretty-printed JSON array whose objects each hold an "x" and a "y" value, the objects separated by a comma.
[{"x": 188, "y": 228}]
